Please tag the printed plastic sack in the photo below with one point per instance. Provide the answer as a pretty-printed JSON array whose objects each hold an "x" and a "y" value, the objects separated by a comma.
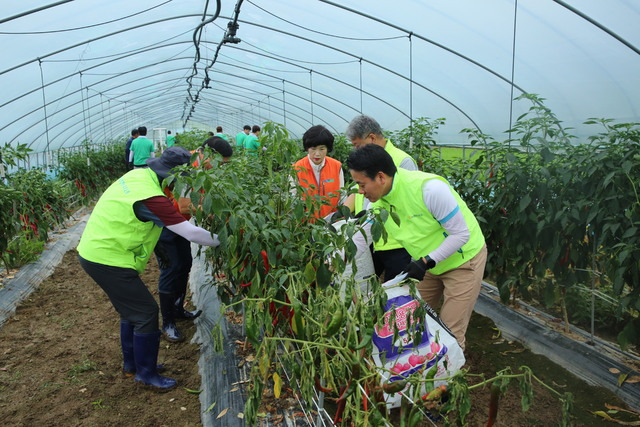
[{"x": 404, "y": 360}]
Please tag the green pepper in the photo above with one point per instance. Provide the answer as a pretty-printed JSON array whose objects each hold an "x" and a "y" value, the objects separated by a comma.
[
  {"x": 297, "y": 319},
  {"x": 394, "y": 386},
  {"x": 367, "y": 335},
  {"x": 335, "y": 323}
]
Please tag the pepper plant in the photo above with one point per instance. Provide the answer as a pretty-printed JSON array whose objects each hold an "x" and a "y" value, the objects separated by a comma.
[{"x": 304, "y": 318}]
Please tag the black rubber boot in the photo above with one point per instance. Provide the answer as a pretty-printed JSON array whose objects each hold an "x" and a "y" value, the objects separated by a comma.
[
  {"x": 170, "y": 331},
  {"x": 145, "y": 347},
  {"x": 181, "y": 313}
]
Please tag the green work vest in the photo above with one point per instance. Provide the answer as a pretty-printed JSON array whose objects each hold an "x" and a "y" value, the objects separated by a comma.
[
  {"x": 114, "y": 235},
  {"x": 397, "y": 155},
  {"x": 419, "y": 232}
]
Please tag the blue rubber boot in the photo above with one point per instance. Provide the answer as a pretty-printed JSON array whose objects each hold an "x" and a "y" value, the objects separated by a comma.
[
  {"x": 145, "y": 348},
  {"x": 126, "y": 341},
  {"x": 128, "y": 358}
]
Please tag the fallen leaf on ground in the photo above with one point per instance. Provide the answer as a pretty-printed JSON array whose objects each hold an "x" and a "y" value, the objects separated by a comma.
[
  {"x": 614, "y": 370},
  {"x": 621, "y": 379},
  {"x": 617, "y": 408},
  {"x": 222, "y": 413},
  {"x": 609, "y": 418}
]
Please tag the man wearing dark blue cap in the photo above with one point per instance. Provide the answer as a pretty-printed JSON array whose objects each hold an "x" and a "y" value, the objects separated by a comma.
[{"x": 115, "y": 247}]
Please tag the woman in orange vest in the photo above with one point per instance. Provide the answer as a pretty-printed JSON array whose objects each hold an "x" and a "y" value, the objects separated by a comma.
[{"x": 321, "y": 176}]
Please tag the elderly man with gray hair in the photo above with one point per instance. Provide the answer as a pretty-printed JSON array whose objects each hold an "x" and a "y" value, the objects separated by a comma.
[{"x": 389, "y": 257}]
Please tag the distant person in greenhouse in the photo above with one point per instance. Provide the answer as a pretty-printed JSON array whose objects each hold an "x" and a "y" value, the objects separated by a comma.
[
  {"x": 127, "y": 148},
  {"x": 114, "y": 249},
  {"x": 388, "y": 257},
  {"x": 221, "y": 134},
  {"x": 142, "y": 148},
  {"x": 320, "y": 175},
  {"x": 437, "y": 228},
  {"x": 171, "y": 139},
  {"x": 240, "y": 137},
  {"x": 251, "y": 143},
  {"x": 175, "y": 259},
  {"x": 217, "y": 145}
]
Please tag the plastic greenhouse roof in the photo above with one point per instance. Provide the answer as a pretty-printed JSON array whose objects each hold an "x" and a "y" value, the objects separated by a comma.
[{"x": 89, "y": 69}]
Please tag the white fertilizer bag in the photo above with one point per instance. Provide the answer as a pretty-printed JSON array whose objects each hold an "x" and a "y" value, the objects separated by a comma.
[{"x": 401, "y": 356}]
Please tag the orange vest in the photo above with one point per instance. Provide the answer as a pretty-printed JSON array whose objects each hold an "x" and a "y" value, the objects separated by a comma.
[{"x": 328, "y": 188}]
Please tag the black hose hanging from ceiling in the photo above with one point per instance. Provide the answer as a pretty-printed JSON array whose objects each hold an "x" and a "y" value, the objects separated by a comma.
[{"x": 228, "y": 37}]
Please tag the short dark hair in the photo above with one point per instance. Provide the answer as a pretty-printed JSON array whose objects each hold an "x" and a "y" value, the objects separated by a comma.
[
  {"x": 219, "y": 129},
  {"x": 317, "y": 135},
  {"x": 219, "y": 145},
  {"x": 134, "y": 132},
  {"x": 370, "y": 160},
  {"x": 168, "y": 132},
  {"x": 247, "y": 127},
  {"x": 255, "y": 128},
  {"x": 142, "y": 130}
]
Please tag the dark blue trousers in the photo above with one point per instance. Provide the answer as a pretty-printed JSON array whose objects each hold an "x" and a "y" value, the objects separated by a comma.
[{"x": 173, "y": 279}]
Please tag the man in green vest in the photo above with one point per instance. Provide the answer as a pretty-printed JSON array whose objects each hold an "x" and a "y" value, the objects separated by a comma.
[
  {"x": 114, "y": 249},
  {"x": 388, "y": 257},
  {"x": 240, "y": 137},
  {"x": 251, "y": 142},
  {"x": 436, "y": 227},
  {"x": 221, "y": 134}
]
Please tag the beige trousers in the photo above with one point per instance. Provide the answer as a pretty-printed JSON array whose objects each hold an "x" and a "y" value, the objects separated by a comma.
[{"x": 460, "y": 288}]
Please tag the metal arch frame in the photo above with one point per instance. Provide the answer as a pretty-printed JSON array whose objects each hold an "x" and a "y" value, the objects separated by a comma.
[
  {"x": 137, "y": 69},
  {"x": 333, "y": 48},
  {"x": 116, "y": 117},
  {"x": 268, "y": 28},
  {"x": 115, "y": 98}
]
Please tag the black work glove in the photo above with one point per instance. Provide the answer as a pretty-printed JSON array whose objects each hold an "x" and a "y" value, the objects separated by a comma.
[
  {"x": 164, "y": 261},
  {"x": 416, "y": 269}
]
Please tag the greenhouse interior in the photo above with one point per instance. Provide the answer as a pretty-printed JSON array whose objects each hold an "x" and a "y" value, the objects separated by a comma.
[{"x": 320, "y": 212}]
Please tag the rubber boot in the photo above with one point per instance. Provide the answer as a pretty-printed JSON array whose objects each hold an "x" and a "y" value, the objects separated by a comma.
[
  {"x": 145, "y": 347},
  {"x": 181, "y": 313},
  {"x": 128, "y": 358},
  {"x": 170, "y": 331},
  {"x": 126, "y": 341}
]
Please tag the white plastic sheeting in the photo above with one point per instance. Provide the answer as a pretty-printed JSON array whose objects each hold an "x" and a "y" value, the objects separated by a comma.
[{"x": 90, "y": 69}]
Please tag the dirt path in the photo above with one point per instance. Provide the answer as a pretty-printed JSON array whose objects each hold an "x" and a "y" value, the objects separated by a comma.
[{"x": 60, "y": 361}]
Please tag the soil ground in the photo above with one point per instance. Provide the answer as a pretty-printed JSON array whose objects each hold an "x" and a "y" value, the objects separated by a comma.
[{"x": 60, "y": 364}]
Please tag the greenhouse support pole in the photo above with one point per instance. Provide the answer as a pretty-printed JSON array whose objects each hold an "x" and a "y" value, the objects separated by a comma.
[
  {"x": 360, "y": 62},
  {"x": 84, "y": 116},
  {"x": 89, "y": 114},
  {"x": 284, "y": 107},
  {"x": 513, "y": 66},
  {"x": 44, "y": 105},
  {"x": 410, "y": 91},
  {"x": 311, "y": 93},
  {"x": 593, "y": 289}
]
